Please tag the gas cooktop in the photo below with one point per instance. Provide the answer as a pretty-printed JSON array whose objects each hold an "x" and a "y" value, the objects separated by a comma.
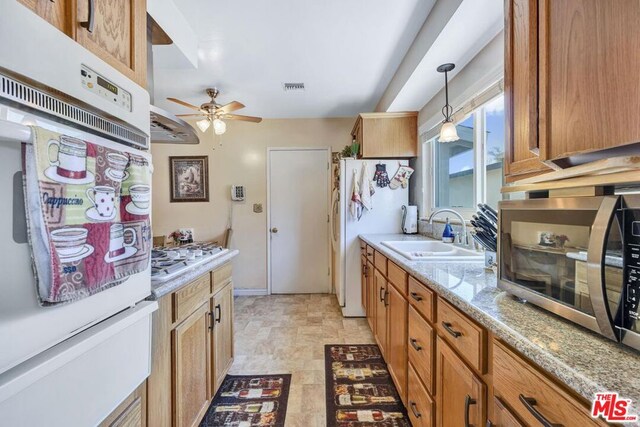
[{"x": 168, "y": 262}]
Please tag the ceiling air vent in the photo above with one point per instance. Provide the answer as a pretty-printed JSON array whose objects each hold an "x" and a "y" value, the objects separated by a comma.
[{"x": 293, "y": 87}]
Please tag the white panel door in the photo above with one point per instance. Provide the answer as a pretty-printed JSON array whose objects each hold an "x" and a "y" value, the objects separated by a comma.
[{"x": 299, "y": 230}]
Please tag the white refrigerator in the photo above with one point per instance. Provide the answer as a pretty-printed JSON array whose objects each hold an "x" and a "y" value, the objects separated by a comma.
[{"x": 384, "y": 218}]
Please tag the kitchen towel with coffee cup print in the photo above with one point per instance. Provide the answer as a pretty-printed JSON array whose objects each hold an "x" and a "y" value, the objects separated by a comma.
[{"x": 87, "y": 214}]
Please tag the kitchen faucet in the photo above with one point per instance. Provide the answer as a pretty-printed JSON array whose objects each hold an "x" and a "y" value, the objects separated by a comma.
[{"x": 460, "y": 217}]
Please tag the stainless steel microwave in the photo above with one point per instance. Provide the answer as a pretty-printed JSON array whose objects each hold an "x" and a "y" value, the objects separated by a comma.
[{"x": 576, "y": 257}]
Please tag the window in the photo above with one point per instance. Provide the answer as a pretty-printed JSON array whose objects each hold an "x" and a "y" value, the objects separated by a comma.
[{"x": 469, "y": 171}]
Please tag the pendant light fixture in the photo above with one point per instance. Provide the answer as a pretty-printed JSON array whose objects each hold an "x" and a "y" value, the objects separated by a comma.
[
  {"x": 219, "y": 127},
  {"x": 448, "y": 132}
]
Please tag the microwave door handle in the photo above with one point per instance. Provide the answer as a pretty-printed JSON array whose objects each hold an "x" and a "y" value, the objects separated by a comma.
[{"x": 596, "y": 264}]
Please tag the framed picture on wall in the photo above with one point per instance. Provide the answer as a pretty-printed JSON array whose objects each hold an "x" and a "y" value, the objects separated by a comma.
[{"x": 189, "y": 178}]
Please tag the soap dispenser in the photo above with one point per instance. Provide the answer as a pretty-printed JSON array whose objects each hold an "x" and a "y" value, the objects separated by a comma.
[{"x": 448, "y": 235}]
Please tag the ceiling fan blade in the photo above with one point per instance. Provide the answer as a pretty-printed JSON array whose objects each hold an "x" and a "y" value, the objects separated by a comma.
[
  {"x": 232, "y": 106},
  {"x": 243, "y": 118},
  {"x": 185, "y": 104},
  {"x": 191, "y": 115}
]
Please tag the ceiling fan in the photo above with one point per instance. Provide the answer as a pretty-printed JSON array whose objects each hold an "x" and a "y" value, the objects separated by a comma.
[{"x": 214, "y": 113}]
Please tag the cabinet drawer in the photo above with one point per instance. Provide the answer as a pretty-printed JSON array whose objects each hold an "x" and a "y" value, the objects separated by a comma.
[
  {"x": 220, "y": 277},
  {"x": 380, "y": 261},
  {"x": 369, "y": 254},
  {"x": 190, "y": 297},
  {"x": 397, "y": 277},
  {"x": 420, "y": 406},
  {"x": 464, "y": 335},
  {"x": 515, "y": 381},
  {"x": 421, "y": 348},
  {"x": 422, "y": 299}
]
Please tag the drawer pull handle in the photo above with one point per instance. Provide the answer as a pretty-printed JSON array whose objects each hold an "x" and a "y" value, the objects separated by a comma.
[
  {"x": 453, "y": 332},
  {"x": 414, "y": 344},
  {"x": 92, "y": 14},
  {"x": 530, "y": 404},
  {"x": 381, "y": 294},
  {"x": 416, "y": 296},
  {"x": 386, "y": 298},
  {"x": 468, "y": 401},
  {"x": 414, "y": 409},
  {"x": 219, "y": 310},
  {"x": 212, "y": 321},
  {"x": 369, "y": 253}
]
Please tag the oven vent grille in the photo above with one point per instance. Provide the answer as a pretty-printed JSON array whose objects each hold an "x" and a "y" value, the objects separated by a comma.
[{"x": 20, "y": 93}]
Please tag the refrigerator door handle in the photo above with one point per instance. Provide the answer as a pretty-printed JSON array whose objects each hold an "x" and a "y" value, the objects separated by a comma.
[{"x": 596, "y": 265}]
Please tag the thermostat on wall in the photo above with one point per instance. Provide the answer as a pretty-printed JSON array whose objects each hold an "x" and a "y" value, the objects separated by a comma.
[{"x": 237, "y": 193}]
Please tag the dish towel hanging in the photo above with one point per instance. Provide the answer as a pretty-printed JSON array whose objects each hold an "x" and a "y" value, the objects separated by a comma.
[
  {"x": 87, "y": 214},
  {"x": 366, "y": 187},
  {"x": 355, "y": 204}
]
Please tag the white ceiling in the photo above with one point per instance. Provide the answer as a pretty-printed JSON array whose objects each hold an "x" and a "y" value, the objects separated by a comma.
[
  {"x": 345, "y": 51},
  {"x": 474, "y": 24}
]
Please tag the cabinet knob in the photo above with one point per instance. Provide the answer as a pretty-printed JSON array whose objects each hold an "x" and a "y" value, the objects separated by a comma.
[{"x": 274, "y": 230}]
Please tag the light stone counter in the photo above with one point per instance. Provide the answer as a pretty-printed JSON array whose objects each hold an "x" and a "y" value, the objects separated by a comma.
[
  {"x": 584, "y": 361},
  {"x": 160, "y": 289}
]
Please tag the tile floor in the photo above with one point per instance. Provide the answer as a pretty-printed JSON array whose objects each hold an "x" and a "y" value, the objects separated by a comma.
[{"x": 282, "y": 334}]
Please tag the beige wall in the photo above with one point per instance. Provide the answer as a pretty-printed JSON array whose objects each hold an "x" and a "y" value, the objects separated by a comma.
[{"x": 241, "y": 159}]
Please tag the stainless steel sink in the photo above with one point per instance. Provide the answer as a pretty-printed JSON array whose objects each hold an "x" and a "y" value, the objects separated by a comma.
[{"x": 432, "y": 250}]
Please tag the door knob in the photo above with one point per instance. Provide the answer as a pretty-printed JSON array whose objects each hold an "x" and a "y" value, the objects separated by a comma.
[{"x": 274, "y": 230}]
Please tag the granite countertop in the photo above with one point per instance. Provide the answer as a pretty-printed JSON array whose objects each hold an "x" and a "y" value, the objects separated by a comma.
[
  {"x": 160, "y": 289},
  {"x": 586, "y": 362}
]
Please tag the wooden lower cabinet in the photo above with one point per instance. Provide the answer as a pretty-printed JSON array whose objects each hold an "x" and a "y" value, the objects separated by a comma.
[
  {"x": 191, "y": 366},
  {"x": 397, "y": 340},
  {"x": 371, "y": 297},
  {"x": 222, "y": 344},
  {"x": 502, "y": 416},
  {"x": 420, "y": 406},
  {"x": 364, "y": 291},
  {"x": 461, "y": 394},
  {"x": 131, "y": 412},
  {"x": 380, "y": 286},
  {"x": 192, "y": 347}
]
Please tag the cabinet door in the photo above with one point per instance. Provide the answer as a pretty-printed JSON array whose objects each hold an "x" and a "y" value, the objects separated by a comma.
[
  {"x": 119, "y": 35},
  {"x": 222, "y": 334},
  {"x": 502, "y": 416},
  {"x": 397, "y": 339},
  {"x": 381, "y": 311},
  {"x": 191, "y": 358},
  {"x": 589, "y": 91},
  {"x": 461, "y": 395},
  {"x": 57, "y": 13},
  {"x": 371, "y": 295},
  {"x": 364, "y": 297},
  {"x": 521, "y": 88}
]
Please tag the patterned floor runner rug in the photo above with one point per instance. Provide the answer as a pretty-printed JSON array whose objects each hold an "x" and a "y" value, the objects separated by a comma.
[
  {"x": 250, "y": 401},
  {"x": 359, "y": 389}
]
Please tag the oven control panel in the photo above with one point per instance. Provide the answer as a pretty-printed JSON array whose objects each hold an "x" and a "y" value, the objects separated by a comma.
[
  {"x": 631, "y": 291},
  {"x": 104, "y": 88}
]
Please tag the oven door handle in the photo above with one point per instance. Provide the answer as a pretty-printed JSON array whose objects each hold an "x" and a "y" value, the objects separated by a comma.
[{"x": 605, "y": 219}]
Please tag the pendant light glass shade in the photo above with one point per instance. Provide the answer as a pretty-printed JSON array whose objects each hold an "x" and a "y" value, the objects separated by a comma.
[
  {"x": 448, "y": 132},
  {"x": 219, "y": 127},
  {"x": 203, "y": 124}
]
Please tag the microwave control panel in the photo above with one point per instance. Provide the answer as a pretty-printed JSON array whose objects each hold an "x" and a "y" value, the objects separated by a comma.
[
  {"x": 105, "y": 89},
  {"x": 631, "y": 292}
]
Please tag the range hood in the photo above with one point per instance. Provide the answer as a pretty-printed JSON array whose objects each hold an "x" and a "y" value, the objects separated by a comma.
[{"x": 165, "y": 127}]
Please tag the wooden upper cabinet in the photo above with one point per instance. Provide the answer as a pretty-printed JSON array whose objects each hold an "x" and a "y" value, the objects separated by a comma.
[
  {"x": 521, "y": 88},
  {"x": 57, "y": 13},
  {"x": 387, "y": 135},
  {"x": 119, "y": 35},
  {"x": 589, "y": 86},
  {"x": 571, "y": 85}
]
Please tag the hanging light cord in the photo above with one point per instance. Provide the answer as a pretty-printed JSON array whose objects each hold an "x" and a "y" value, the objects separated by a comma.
[{"x": 447, "y": 110}]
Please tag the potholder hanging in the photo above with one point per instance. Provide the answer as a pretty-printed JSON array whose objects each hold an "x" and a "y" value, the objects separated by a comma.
[
  {"x": 401, "y": 177},
  {"x": 381, "y": 177}
]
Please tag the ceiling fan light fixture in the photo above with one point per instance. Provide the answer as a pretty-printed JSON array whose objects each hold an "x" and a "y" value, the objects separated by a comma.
[
  {"x": 448, "y": 131},
  {"x": 219, "y": 127},
  {"x": 203, "y": 124}
]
